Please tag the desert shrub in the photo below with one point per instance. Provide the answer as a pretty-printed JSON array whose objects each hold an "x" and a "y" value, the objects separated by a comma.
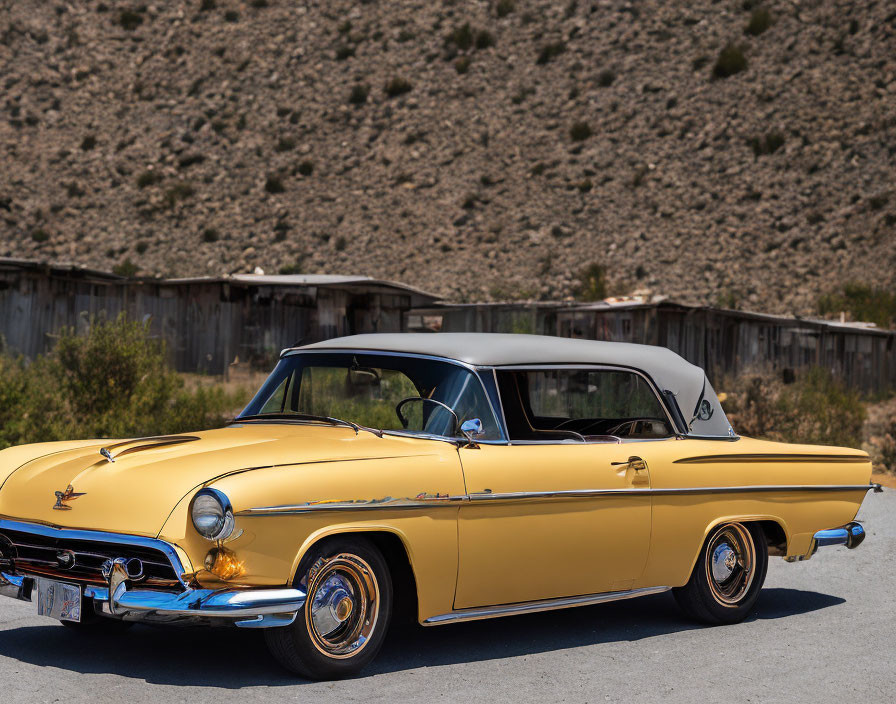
[
  {"x": 285, "y": 144},
  {"x": 884, "y": 453},
  {"x": 274, "y": 184},
  {"x": 40, "y": 235},
  {"x": 817, "y": 408},
  {"x": 760, "y": 20},
  {"x": 397, "y": 86},
  {"x": 340, "y": 243},
  {"x": 731, "y": 60},
  {"x": 461, "y": 37},
  {"x": 188, "y": 160},
  {"x": 358, "y": 94},
  {"x": 178, "y": 191},
  {"x": 88, "y": 143},
  {"x": 344, "y": 51},
  {"x": 766, "y": 144},
  {"x": 462, "y": 65},
  {"x": 141, "y": 247},
  {"x": 129, "y": 20},
  {"x": 306, "y": 167},
  {"x": 127, "y": 269},
  {"x": 112, "y": 381},
  {"x": 549, "y": 52},
  {"x": 210, "y": 234},
  {"x": 605, "y": 78},
  {"x": 231, "y": 16},
  {"x": 147, "y": 178},
  {"x": 862, "y": 302},
  {"x": 484, "y": 39},
  {"x": 580, "y": 131},
  {"x": 504, "y": 7},
  {"x": 296, "y": 267},
  {"x": 592, "y": 283}
]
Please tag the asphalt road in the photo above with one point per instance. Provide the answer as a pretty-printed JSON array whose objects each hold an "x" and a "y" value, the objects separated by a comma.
[{"x": 823, "y": 631}]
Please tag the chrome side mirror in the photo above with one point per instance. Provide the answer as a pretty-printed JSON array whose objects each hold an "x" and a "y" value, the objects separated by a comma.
[{"x": 471, "y": 430}]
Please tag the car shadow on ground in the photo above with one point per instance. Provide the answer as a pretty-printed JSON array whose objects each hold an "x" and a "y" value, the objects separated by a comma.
[{"x": 232, "y": 658}]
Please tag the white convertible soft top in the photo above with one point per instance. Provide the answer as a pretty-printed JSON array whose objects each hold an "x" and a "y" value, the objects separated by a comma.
[{"x": 668, "y": 370}]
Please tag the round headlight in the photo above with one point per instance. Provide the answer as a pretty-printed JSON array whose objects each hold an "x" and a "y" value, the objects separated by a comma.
[{"x": 212, "y": 514}]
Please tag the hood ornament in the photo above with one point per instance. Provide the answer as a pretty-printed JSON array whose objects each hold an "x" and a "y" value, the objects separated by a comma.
[
  {"x": 63, "y": 496},
  {"x": 108, "y": 455}
]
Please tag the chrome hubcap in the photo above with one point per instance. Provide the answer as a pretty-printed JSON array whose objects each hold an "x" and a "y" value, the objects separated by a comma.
[
  {"x": 344, "y": 605},
  {"x": 730, "y": 563},
  {"x": 332, "y": 605},
  {"x": 724, "y": 561}
]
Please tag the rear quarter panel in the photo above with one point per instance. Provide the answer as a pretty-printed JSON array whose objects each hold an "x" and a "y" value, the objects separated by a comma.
[{"x": 681, "y": 522}]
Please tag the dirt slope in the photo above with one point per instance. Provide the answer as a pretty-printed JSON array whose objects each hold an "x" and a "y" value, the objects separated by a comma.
[{"x": 476, "y": 155}]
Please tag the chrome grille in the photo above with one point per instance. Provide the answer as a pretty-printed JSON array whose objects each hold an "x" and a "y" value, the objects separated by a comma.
[{"x": 81, "y": 561}]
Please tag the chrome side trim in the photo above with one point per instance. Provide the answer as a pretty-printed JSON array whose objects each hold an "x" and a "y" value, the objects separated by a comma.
[
  {"x": 528, "y": 607},
  {"x": 445, "y": 501},
  {"x": 387, "y": 503},
  {"x": 586, "y": 493},
  {"x": 821, "y": 458},
  {"x": 100, "y": 537}
]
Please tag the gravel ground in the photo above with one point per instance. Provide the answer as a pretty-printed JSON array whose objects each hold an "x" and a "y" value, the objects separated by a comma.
[{"x": 823, "y": 631}]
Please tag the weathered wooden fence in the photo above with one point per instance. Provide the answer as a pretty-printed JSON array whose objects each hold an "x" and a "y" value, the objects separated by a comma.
[
  {"x": 207, "y": 323},
  {"x": 724, "y": 342}
]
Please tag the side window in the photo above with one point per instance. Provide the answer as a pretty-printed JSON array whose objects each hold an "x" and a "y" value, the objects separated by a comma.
[{"x": 561, "y": 404}]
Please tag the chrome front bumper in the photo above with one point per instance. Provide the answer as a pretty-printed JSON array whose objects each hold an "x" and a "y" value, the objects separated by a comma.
[{"x": 248, "y": 608}]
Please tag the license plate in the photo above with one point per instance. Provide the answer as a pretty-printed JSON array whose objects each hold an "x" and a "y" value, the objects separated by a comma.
[{"x": 58, "y": 600}]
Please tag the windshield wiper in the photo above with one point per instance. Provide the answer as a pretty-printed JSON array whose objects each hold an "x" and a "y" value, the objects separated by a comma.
[{"x": 308, "y": 418}]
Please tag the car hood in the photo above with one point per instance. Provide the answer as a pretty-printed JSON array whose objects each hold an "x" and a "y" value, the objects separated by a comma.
[{"x": 137, "y": 491}]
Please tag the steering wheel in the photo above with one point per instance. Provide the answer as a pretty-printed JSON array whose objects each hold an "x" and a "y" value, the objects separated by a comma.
[{"x": 404, "y": 421}]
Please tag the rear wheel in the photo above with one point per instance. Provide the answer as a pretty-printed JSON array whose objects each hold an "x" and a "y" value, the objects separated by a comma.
[
  {"x": 346, "y": 614},
  {"x": 728, "y": 576}
]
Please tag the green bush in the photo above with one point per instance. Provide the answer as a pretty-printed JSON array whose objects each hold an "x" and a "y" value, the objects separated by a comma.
[
  {"x": 113, "y": 381},
  {"x": 731, "y": 60},
  {"x": 592, "y": 285},
  {"x": 862, "y": 302},
  {"x": 397, "y": 86},
  {"x": 766, "y": 144},
  {"x": 816, "y": 409},
  {"x": 580, "y": 131},
  {"x": 549, "y": 52},
  {"x": 504, "y": 7},
  {"x": 760, "y": 20}
]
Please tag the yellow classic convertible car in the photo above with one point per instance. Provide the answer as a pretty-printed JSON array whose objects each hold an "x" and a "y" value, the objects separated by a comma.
[{"x": 460, "y": 476}]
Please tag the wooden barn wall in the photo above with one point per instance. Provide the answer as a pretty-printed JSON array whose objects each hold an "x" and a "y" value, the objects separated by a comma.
[
  {"x": 725, "y": 343},
  {"x": 206, "y": 326}
]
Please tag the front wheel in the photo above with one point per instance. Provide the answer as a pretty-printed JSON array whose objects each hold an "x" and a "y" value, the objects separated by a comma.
[
  {"x": 346, "y": 614},
  {"x": 728, "y": 576}
]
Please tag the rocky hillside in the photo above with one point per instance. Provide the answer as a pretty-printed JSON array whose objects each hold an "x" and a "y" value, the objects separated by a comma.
[{"x": 709, "y": 150}]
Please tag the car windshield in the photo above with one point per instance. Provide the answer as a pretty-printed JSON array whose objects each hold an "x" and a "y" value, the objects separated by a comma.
[{"x": 384, "y": 392}]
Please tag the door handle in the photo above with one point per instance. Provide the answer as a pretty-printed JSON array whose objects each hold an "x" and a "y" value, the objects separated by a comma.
[{"x": 634, "y": 462}]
